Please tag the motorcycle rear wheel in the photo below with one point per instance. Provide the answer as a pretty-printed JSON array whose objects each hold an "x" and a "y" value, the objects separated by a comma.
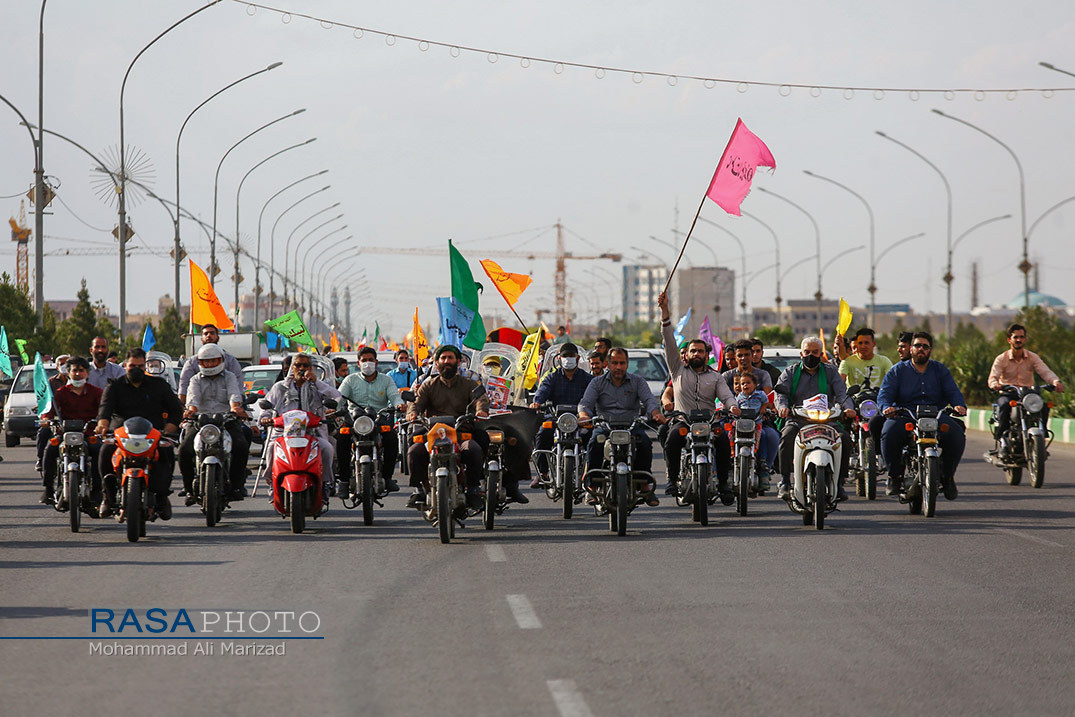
[
  {"x": 132, "y": 508},
  {"x": 73, "y": 490},
  {"x": 567, "y": 474},
  {"x": 930, "y": 485},
  {"x": 444, "y": 509},
  {"x": 623, "y": 491},
  {"x": 366, "y": 486},
  {"x": 297, "y": 508},
  {"x": 1036, "y": 461}
]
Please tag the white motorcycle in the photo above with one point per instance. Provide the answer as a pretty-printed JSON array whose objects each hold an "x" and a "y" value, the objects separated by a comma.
[{"x": 816, "y": 465}]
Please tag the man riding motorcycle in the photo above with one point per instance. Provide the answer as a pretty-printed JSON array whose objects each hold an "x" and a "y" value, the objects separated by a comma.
[
  {"x": 564, "y": 386},
  {"x": 374, "y": 390},
  {"x": 214, "y": 390},
  {"x": 695, "y": 386},
  {"x": 137, "y": 394},
  {"x": 447, "y": 393},
  {"x": 303, "y": 392},
  {"x": 798, "y": 382},
  {"x": 921, "y": 381},
  {"x": 617, "y": 395},
  {"x": 78, "y": 400},
  {"x": 403, "y": 375},
  {"x": 867, "y": 365},
  {"x": 1016, "y": 367},
  {"x": 210, "y": 335},
  {"x": 903, "y": 346}
]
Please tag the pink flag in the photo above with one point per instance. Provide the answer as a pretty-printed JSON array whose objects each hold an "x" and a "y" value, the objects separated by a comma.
[
  {"x": 731, "y": 182},
  {"x": 716, "y": 346}
]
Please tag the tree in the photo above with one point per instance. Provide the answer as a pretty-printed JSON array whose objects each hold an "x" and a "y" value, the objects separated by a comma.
[
  {"x": 77, "y": 331},
  {"x": 170, "y": 333},
  {"x": 105, "y": 328},
  {"x": 775, "y": 335},
  {"x": 16, "y": 312}
]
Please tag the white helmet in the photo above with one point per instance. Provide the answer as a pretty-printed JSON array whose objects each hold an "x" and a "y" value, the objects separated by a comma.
[{"x": 210, "y": 351}]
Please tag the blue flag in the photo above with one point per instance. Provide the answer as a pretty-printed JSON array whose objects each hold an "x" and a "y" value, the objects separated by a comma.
[
  {"x": 42, "y": 389},
  {"x": 682, "y": 324},
  {"x": 455, "y": 321},
  {"x": 148, "y": 339}
]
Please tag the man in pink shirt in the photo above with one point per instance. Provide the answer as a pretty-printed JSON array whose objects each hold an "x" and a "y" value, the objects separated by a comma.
[{"x": 1016, "y": 367}]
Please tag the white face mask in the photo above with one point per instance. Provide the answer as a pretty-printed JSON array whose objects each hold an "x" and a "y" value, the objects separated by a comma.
[
  {"x": 77, "y": 384},
  {"x": 404, "y": 365},
  {"x": 368, "y": 368},
  {"x": 570, "y": 363}
]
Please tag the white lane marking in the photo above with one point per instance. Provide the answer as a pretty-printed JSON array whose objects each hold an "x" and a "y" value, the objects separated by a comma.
[
  {"x": 523, "y": 612},
  {"x": 1031, "y": 538},
  {"x": 568, "y": 699},
  {"x": 495, "y": 553}
]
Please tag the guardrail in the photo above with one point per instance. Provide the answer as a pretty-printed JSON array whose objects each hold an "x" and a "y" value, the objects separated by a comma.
[{"x": 1063, "y": 428}]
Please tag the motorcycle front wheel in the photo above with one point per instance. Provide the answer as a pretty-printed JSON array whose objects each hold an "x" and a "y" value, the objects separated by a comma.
[
  {"x": 73, "y": 488},
  {"x": 742, "y": 478},
  {"x": 567, "y": 475},
  {"x": 870, "y": 469},
  {"x": 1036, "y": 460},
  {"x": 211, "y": 494},
  {"x": 297, "y": 507},
  {"x": 444, "y": 508},
  {"x": 132, "y": 508},
  {"x": 366, "y": 486},
  {"x": 821, "y": 498},
  {"x": 623, "y": 491},
  {"x": 701, "y": 494},
  {"x": 930, "y": 485}
]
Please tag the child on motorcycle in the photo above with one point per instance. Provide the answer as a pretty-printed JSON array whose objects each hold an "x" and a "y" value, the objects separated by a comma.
[{"x": 749, "y": 397}]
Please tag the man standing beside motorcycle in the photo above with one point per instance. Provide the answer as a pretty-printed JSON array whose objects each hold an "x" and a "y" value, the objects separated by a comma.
[
  {"x": 78, "y": 400},
  {"x": 564, "y": 386},
  {"x": 446, "y": 393},
  {"x": 918, "y": 382},
  {"x": 617, "y": 396},
  {"x": 214, "y": 390},
  {"x": 1016, "y": 367},
  {"x": 302, "y": 391},
  {"x": 137, "y": 394},
  {"x": 370, "y": 389},
  {"x": 695, "y": 386},
  {"x": 798, "y": 382}
]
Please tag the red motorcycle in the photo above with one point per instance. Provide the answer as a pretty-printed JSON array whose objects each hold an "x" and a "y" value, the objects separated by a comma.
[
  {"x": 296, "y": 468},
  {"x": 137, "y": 443}
]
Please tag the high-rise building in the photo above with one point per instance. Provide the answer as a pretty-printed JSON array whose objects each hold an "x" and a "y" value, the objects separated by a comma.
[
  {"x": 641, "y": 285},
  {"x": 709, "y": 291}
]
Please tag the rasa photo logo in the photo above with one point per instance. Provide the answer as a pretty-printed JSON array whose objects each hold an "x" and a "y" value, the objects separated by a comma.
[{"x": 223, "y": 633}]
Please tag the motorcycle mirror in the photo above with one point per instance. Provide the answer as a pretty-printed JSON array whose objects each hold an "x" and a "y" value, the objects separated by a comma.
[
  {"x": 330, "y": 403},
  {"x": 853, "y": 390},
  {"x": 478, "y": 391},
  {"x": 265, "y": 405},
  {"x": 250, "y": 399},
  {"x": 407, "y": 396}
]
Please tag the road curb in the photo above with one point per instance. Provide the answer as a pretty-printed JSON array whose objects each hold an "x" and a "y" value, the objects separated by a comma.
[{"x": 1063, "y": 428}]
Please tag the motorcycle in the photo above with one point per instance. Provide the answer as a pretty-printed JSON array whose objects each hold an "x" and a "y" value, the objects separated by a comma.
[
  {"x": 617, "y": 487},
  {"x": 863, "y": 461},
  {"x": 364, "y": 427},
  {"x": 137, "y": 443},
  {"x": 744, "y": 460},
  {"x": 446, "y": 503},
  {"x": 697, "y": 485},
  {"x": 296, "y": 481},
  {"x": 565, "y": 466},
  {"x": 72, "y": 486},
  {"x": 815, "y": 467},
  {"x": 1028, "y": 435},
  {"x": 922, "y": 459},
  {"x": 212, "y": 451},
  {"x": 510, "y": 446}
]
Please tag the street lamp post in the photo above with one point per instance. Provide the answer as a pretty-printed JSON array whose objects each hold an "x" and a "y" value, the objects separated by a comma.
[
  {"x": 817, "y": 245},
  {"x": 302, "y": 272},
  {"x": 216, "y": 188},
  {"x": 776, "y": 244},
  {"x": 272, "y": 240},
  {"x": 948, "y": 276},
  {"x": 287, "y": 254},
  {"x": 869, "y": 211},
  {"x": 178, "y": 243},
  {"x": 1024, "y": 266},
  {"x": 122, "y": 229},
  {"x": 875, "y": 262},
  {"x": 39, "y": 175}
]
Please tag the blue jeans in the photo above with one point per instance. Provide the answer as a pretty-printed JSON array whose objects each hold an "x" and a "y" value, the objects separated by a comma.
[{"x": 768, "y": 444}]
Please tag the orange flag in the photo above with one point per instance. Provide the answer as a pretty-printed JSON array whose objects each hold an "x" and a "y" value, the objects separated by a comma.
[
  {"x": 205, "y": 307},
  {"x": 334, "y": 344},
  {"x": 511, "y": 286},
  {"x": 421, "y": 346}
]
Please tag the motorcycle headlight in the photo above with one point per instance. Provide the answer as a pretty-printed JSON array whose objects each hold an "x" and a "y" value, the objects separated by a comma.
[
  {"x": 867, "y": 409},
  {"x": 496, "y": 436},
  {"x": 744, "y": 425},
  {"x": 567, "y": 423},
  {"x": 73, "y": 439},
  {"x": 701, "y": 430},
  {"x": 927, "y": 425},
  {"x": 1033, "y": 403},
  {"x": 136, "y": 445},
  {"x": 209, "y": 434},
  {"x": 816, "y": 414},
  {"x": 364, "y": 425},
  {"x": 619, "y": 438}
]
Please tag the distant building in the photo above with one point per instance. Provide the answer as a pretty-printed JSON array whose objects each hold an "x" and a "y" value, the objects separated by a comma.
[
  {"x": 708, "y": 291},
  {"x": 641, "y": 285}
]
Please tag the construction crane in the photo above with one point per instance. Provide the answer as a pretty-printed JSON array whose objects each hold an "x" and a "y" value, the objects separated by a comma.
[
  {"x": 20, "y": 233},
  {"x": 561, "y": 255}
]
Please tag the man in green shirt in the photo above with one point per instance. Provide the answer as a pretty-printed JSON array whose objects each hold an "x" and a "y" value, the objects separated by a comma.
[
  {"x": 370, "y": 389},
  {"x": 867, "y": 365}
]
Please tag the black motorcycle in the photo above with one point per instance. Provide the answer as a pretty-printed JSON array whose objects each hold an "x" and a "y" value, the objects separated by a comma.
[
  {"x": 566, "y": 459},
  {"x": 863, "y": 462},
  {"x": 617, "y": 486},
  {"x": 1028, "y": 436},
  {"x": 364, "y": 427},
  {"x": 508, "y": 454},
  {"x": 922, "y": 474},
  {"x": 71, "y": 487}
]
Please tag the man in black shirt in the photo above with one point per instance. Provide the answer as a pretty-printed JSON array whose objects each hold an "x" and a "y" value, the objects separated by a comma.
[{"x": 137, "y": 394}]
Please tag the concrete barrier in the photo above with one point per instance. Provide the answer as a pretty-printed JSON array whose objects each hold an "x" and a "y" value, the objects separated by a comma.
[{"x": 1063, "y": 428}]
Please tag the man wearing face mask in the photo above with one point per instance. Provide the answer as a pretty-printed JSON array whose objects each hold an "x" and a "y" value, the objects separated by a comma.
[
  {"x": 447, "y": 393},
  {"x": 214, "y": 390},
  {"x": 564, "y": 386},
  {"x": 137, "y": 394},
  {"x": 798, "y": 382},
  {"x": 75, "y": 401},
  {"x": 403, "y": 375},
  {"x": 210, "y": 335},
  {"x": 339, "y": 365},
  {"x": 102, "y": 371},
  {"x": 377, "y": 391}
]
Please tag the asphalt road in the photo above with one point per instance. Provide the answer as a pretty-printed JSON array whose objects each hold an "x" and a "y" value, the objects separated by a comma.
[{"x": 970, "y": 612}]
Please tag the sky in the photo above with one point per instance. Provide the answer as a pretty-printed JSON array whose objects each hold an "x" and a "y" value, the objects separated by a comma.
[{"x": 421, "y": 146}]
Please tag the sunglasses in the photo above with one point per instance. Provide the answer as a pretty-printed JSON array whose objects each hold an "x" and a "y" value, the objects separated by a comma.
[
  {"x": 301, "y": 365},
  {"x": 921, "y": 346}
]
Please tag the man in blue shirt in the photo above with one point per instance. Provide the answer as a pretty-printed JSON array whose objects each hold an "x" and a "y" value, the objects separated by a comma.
[
  {"x": 564, "y": 386},
  {"x": 403, "y": 374},
  {"x": 916, "y": 382}
]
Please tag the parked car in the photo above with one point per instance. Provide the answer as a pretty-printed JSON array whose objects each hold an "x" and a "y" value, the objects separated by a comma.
[
  {"x": 781, "y": 356},
  {"x": 650, "y": 365},
  {"x": 20, "y": 407}
]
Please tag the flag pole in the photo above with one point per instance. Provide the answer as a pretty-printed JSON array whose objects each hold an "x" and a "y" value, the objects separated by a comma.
[
  {"x": 685, "y": 240},
  {"x": 521, "y": 322}
]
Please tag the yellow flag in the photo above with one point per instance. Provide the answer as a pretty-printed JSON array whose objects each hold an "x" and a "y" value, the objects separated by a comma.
[
  {"x": 529, "y": 358},
  {"x": 205, "y": 307},
  {"x": 511, "y": 286},
  {"x": 421, "y": 346},
  {"x": 844, "y": 322}
]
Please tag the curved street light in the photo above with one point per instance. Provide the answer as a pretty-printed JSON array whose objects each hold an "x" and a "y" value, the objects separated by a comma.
[
  {"x": 273, "y": 272},
  {"x": 743, "y": 260},
  {"x": 312, "y": 285},
  {"x": 817, "y": 243},
  {"x": 776, "y": 245},
  {"x": 287, "y": 253}
]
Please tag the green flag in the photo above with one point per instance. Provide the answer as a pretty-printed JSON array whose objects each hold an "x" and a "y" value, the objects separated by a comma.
[
  {"x": 291, "y": 327},
  {"x": 21, "y": 343},
  {"x": 42, "y": 389},
  {"x": 377, "y": 331},
  {"x": 465, "y": 292},
  {"x": 5, "y": 359}
]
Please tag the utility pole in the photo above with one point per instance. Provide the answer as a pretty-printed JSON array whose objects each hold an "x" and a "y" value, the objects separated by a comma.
[{"x": 561, "y": 277}]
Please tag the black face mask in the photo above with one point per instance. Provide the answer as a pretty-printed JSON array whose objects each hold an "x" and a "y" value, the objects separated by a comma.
[
  {"x": 811, "y": 361},
  {"x": 449, "y": 371},
  {"x": 137, "y": 374}
]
